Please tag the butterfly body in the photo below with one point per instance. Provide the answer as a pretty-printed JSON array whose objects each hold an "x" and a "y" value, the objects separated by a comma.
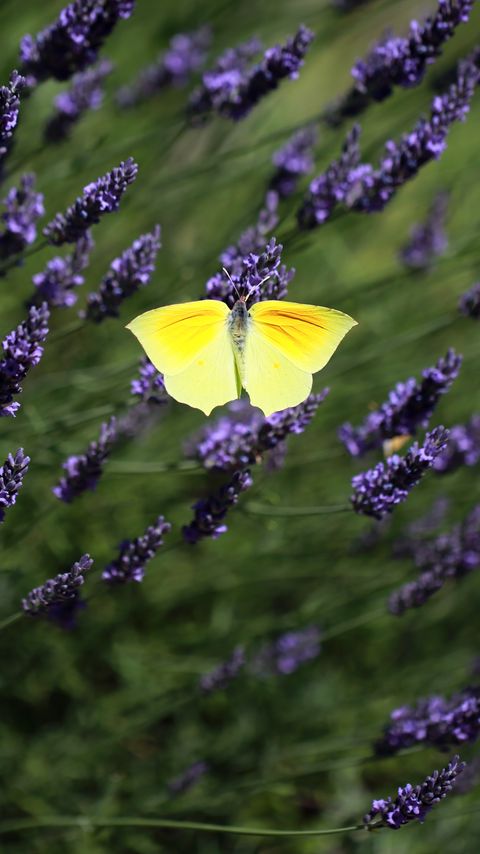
[{"x": 208, "y": 353}]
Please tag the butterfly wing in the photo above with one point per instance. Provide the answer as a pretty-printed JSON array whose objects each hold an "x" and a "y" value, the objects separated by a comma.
[
  {"x": 286, "y": 343},
  {"x": 191, "y": 345}
]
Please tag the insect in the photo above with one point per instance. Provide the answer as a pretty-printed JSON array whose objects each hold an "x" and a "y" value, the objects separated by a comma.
[{"x": 208, "y": 352}]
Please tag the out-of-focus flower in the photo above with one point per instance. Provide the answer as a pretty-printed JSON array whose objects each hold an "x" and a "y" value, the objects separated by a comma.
[
  {"x": 85, "y": 93},
  {"x": 462, "y": 448},
  {"x": 9, "y": 112},
  {"x": 427, "y": 240},
  {"x": 220, "y": 676},
  {"x": 293, "y": 160},
  {"x": 61, "y": 276},
  {"x": 378, "y": 490},
  {"x": 149, "y": 386},
  {"x": 333, "y": 186},
  {"x": 131, "y": 271},
  {"x": 12, "y": 473},
  {"x": 409, "y": 406},
  {"x": 64, "y": 588},
  {"x": 469, "y": 303},
  {"x": 231, "y": 89},
  {"x": 210, "y": 513},
  {"x": 188, "y": 778},
  {"x": 100, "y": 197},
  {"x": 135, "y": 554},
  {"x": 413, "y": 803},
  {"x": 73, "y": 41},
  {"x": 83, "y": 471},
  {"x": 185, "y": 55},
  {"x": 22, "y": 349},
  {"x": 23, "y": 206},
  {"x": 288, "y": 652}
]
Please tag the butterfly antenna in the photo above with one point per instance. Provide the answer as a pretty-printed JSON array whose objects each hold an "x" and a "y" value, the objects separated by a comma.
[
  {"x": 254, "y": 287},
  {"x": 231, "y": 281}
]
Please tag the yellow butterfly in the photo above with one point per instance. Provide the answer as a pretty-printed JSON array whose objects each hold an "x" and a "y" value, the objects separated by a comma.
[{"x": 208, "y": 352}]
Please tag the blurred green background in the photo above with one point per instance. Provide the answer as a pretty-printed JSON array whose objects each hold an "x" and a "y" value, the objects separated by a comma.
[{"x": 99, "y": 719}]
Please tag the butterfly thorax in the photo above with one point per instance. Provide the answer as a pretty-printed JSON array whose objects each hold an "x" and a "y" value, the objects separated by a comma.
[{"x": 238, "y": 322}]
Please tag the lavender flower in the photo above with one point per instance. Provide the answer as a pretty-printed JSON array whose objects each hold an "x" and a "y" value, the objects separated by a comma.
[
  {"x": 57, "y": 591},
  {"x": 100, "y": 197},
  {"x": 61, "y": 276},
  {"x": 378, "y": 490},
  {"x": 22, "y": 349},
  {"x": 73, "y": 41},
  {"x": 149, "y": 385},
  {"x": 413, "y": 803},
  {"x": 435, "y": 721},
  {"x": 220, "y": 676},
  {"x": 469, "y": 303},
  {"x": 208, "y": 520},
  {"x": 462, "y": 449},
  {"x": 188, "y": 778},
  {"x": 85, "y": 93},
  {"x": 409, "y": 406},
  {"x": 294, "y": 159},
  {"x": 135, "y": 554},
  {"x": 242, "y": 437},
  {"x": 83, "y": 471},
  {"x": 9, "y": 111},
  {"x": 231, "y": 89},
  {"x": 427, "y": 240},
  {"x": 131, "y": 271},
  {"x": 288, "y": 652},
  {"x": 12, "y": 473},
  {"x": 449, "y": 556},
  {"x": 333, "y": 186},
  {"x": 23, "y": 206},
  {"x": 185, "y": 55}
]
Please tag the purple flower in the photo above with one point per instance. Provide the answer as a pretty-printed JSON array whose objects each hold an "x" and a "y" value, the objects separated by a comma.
[
  {"x": 469, "y": 303},
  {"x": 462, "y": 449},
  {"x": 220, "y": 676},
  {"x": 451, "y": 555},
  {"x": 73, "y": 41},
  {"x": 435, "y": 721},
  {"x": 57, "y": 591},
  {"x": 294, "y": 159},
  {"x": 83, "y": 471},
  {"x": 85, "y": 93},
  {"x": 427, "y": 240},
  {"x": 100, "y": 197},
  {"x": 22, "y": 349},
  {"x": 12, "y": 473},
  {"x": 56, "y": 285},
  {"x": 188, "y": 778},
  {"x": 9, "y": 111},
  {"x": 414, "y": 802},
  {"x": 333, "y": 186},
  {"x": 185, "y": 55},
  {"x": 231, "y": 89},
  {"x": 209, "y": 516},
  {"x": 244, "y": 435},
  {"x": 131, "y": 271},
  {"x": 135, "y": 554},
  {"x": 288, "y": 652},
  {"x": 378, "y": 490},
  {"x": 23, "y": 206},
  {"x": 149, "y": 385},
  {"x": 409, "y": 406}
]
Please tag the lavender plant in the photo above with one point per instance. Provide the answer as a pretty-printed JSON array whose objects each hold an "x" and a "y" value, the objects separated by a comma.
[
  {"x": 58, "y": 282},
  {"x": 428, "y": 240},
  {"x": 209, "y": 513},
  {"x": 149, "y": 386},
  {"x": 57, "y": 591},
  {"x": 12, "y": 473},
  {"x": 85, "y": 93},
  {"x": 22, "y": 207},
  {"x": 135, "y": 554},
  {"x": 22, "y": 350},
  {"x": 9, "y": 113},
  {"x": 83, "y": 471},
  {"x": 293, "y": 160},
  {"x": 462, "y": 448},
  {"x": 224, "y": 673},
  {"x": 469, "y": 303}
]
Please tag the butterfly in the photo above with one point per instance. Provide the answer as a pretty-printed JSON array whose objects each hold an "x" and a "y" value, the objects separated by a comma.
[{"x": 208, "y": 352}]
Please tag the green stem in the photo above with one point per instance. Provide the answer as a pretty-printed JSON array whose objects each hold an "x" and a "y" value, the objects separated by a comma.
[{"x": 13, "y": 618}]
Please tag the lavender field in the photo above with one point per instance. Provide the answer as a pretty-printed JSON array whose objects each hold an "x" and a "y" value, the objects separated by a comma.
[{"x": 239, "y": 633}]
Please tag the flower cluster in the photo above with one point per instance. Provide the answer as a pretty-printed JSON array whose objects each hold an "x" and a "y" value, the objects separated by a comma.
[
  {"x": 232, "y": 89},
  {"x": 469, "y": 303},
  {"x": 9, "y": 111},
  {"x": 131, "y": 271},
  {"x": 413, "y": 803},
  {"x": 378, "y": 490},
  {"x": 85, "y": 93},
  {"x": 185, "y": 55},
  {"x": 428, "y": 240},
  {"x": 409, "y": 406},
  {"x": 243, "y": 436},
  {"x": 288, "y": 652},
  {"x": 73, "y": 41},
  {"x": 188, "y": 778},
  {"x": 462, "y": 449},
  {"x": 57, "y": 283},
  {"x": 149, "y": 386},
  {"x": 12, "y": 473},
  {"x": 57, "y": 591},
  {"x": 333, "y": 186},
  {"x": 100, "y": 197},
  {"x": 135, "y": 554},
  {"x": 210, "y": 513},
  {"x": 220, "y": 676},
  {"x": 436, "y": 721},
  {"x": 22, "y": 349},
  {"x": 83, "y": 471},
  {"x": 293, "y": 160},
  {"x": 451, "y": 555},
  {"x": 23, "y": 206}
]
